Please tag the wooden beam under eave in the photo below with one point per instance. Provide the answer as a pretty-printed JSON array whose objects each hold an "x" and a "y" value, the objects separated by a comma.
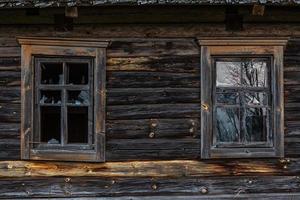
[
  {"x": 258, "y": 10},
  {"x": 173, "y": 168},
  {"x": 71, "y": 12}
]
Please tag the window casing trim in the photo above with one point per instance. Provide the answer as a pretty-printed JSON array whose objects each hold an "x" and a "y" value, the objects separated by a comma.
[
  {"x": 242, "y": 47},
  {"x": 62, "y": 47}
]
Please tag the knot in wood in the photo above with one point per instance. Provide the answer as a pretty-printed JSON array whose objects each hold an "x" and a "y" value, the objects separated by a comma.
[
  {"x": 67, "y": 180},
  {"x": 154, "y": 187},
  {"x": 193, "y": 122},
  {"x": 151, "y": 135},
  {"x": 191, "y": 130},
  {"x": 9, "y": 166},
  {"x": 203, "y": 190},
  {"x": 154, "y": 124},
  {"x": 28, "y": 173}
]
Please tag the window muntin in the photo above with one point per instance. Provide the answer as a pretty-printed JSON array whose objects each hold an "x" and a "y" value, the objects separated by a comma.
[
  {"x": 64, "y": 107},
  {"x": 62, "y": 60},
  {"x": 258, "y": 99},
  {"x": 241, "y": 105}
]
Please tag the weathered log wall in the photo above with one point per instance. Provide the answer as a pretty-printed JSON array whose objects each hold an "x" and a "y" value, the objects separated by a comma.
[
  {"x": 149, "y": 81},
  {"x": 153, "y": 111}
]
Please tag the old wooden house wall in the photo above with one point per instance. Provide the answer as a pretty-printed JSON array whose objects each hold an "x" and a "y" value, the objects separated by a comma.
[{"x": 153, "y": 77}]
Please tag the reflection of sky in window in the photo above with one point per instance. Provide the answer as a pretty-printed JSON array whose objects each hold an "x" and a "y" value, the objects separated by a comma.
[{"x": 229, "y": 74}]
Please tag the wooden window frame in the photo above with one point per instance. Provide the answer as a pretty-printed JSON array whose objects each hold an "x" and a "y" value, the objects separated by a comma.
[
  {"x": 64, "y": 89},
  {"x": 34, "y": 48},
  {"x": 242, "y": 47}
]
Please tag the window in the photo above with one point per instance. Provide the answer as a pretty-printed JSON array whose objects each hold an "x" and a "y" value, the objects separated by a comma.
[
  {"x": 242, "y": 98},
  {"x": 63, "y": 99}
]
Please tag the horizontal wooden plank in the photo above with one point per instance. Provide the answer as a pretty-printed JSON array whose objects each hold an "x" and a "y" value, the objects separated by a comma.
[
  {"x": 101, "y": 187},
  {"x": 152, "y": 149},
  {"x": 261, "y": 196},
  {"x": 8, "y": 42},
  {"x": 11, "y": 150},
  {"x": 10, "y": 51},
  {"x": 162, "y": 128},
  {"x": 292, "y": 78},
  {"x": 10, "y": 112},
  {"x": 10, "y": 78},
  {"x": 10, "y": 95},
  {"x": 9, "y": 130},
  {"x": 10, "y": 63},
  {"x": 152, "y": 144},
  {"x": 147, "y": 111},
  {"x": 292, "y": 96},
  {"x": 172, "y": 168},
  {"x": 292, "y": 113},
  {"x": 151, "y": 80},
  {"x": 149, "y": 154},
  {"x": 179, "y": 64},
  {"x": 292, "y": 147},
  {"x": 127, "y": 96},
  {"x": 292, "y": 128},
  {"x": 153, "y": 48}
]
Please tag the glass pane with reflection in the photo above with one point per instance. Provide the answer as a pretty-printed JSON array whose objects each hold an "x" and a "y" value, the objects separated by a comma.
[
  {"x": 256, "y": 98},
  {"x": 227, "y": 98},
  {"x": 228, "y": 74},
  {"x": 256, "y": 124},
  {"x": 228, "y": 124},
  {"x": 254, "y": 73}
]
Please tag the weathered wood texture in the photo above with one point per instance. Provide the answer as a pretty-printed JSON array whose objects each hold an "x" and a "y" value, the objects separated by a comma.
[
  {"x": 152, "y": 86},
  {"x": 61, "y": 3},
  {"x": 153, "y": 99},
  {"x": 172, "y": 168},
  {"x": 292, "y": 98},
  {"x": 97, "y": 186}
]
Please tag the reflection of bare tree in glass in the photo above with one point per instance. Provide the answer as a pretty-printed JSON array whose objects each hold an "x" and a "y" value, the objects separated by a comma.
[
  {"x": 228, "y": 74},
  {"x": 253, "y": 75},
  {"x": 256, "y": 124},
  {"x": 227, "y": 125}
]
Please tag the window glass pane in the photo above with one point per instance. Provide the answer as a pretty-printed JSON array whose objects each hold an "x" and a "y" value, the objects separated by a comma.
[
  {"x": 228, "y": 74},
  {"x": 51, "y": 73},
  {"x": 77, "y": 124},
  {"x": 256, "y": 98},
  {"x": 50, "y": 124},
  {"x": 228, "y": 125},
  {"x": 227, "y": 98},
  {"x": 50, "y": 97},
  {"x": 78, "y": 97},
  {"x": 256, "y": 124},
  {"x": 254, "y": 73},
  {"x": 77, "y": 73}
]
